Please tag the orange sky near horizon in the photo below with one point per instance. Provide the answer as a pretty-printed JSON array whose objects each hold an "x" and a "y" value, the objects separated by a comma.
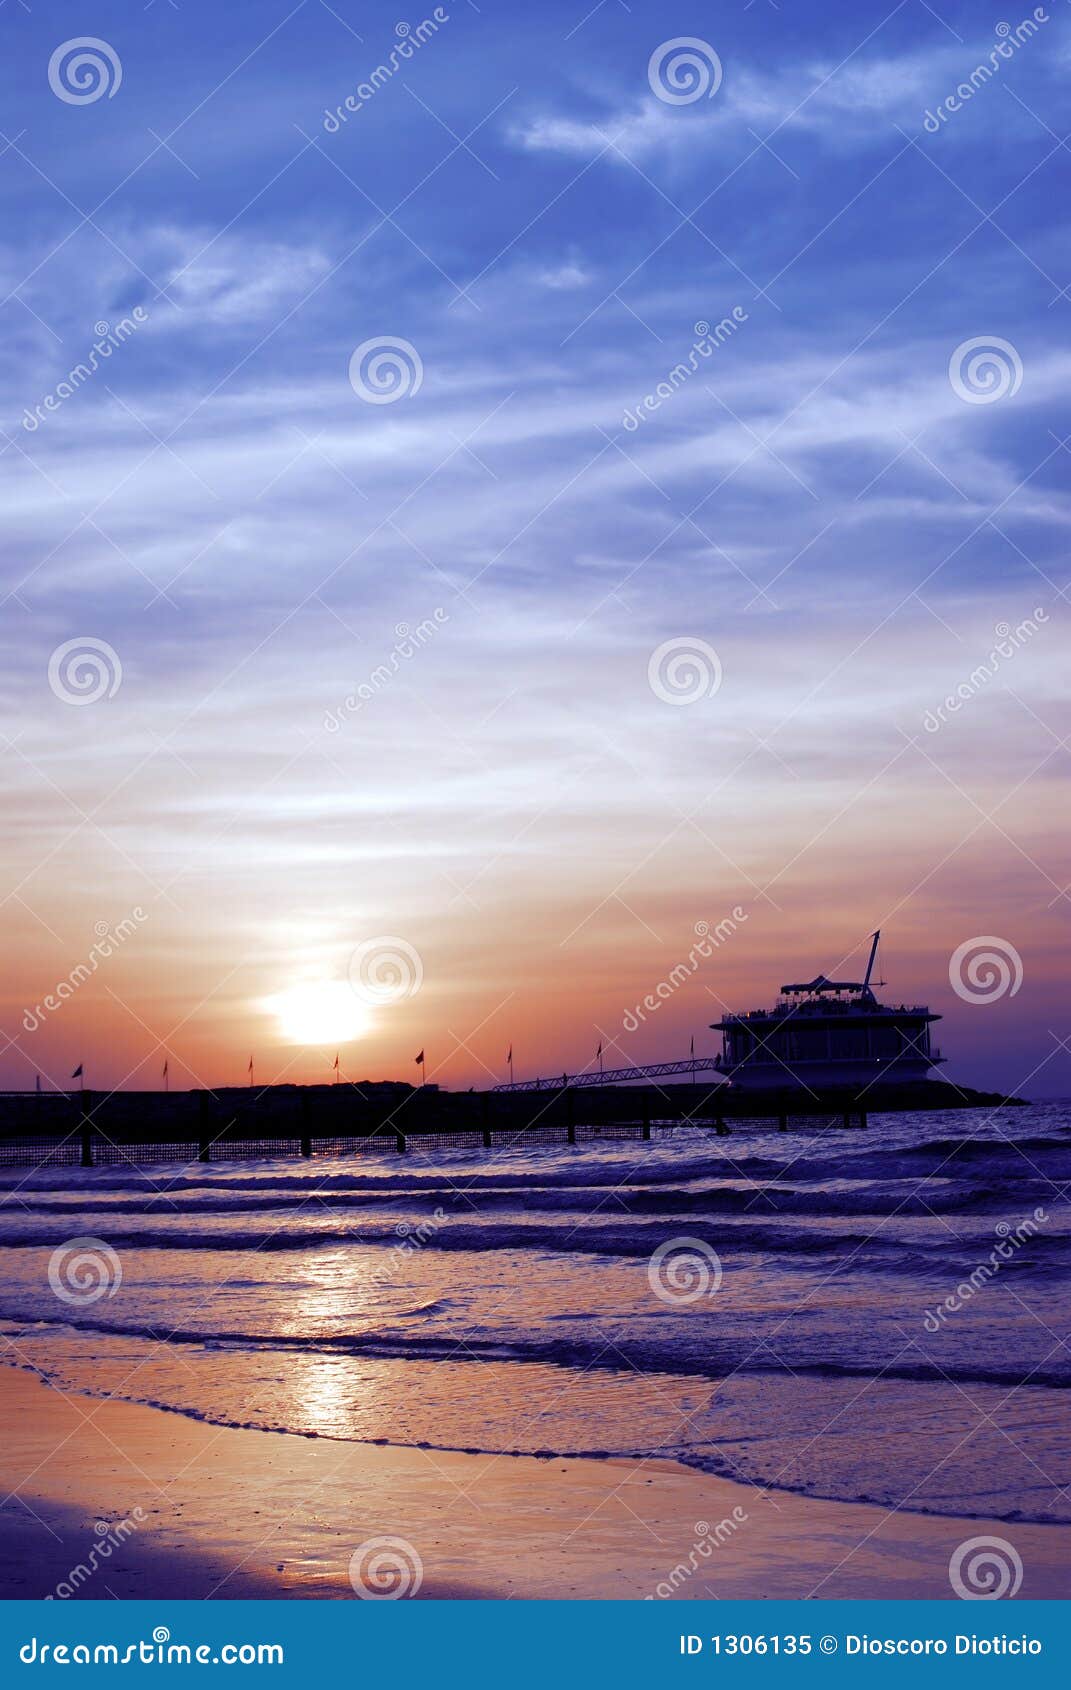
[{"x": 546, "y": 864}]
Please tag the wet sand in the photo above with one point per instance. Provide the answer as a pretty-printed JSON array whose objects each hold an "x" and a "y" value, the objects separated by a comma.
[{"x": 230, "y": 1513}]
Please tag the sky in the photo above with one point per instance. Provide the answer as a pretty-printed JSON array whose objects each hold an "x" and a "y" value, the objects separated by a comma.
[{"x": 550, "y": 468}]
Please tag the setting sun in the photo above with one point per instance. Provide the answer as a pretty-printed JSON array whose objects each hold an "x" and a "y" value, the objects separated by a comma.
[{"x": 320, "y": 1012}]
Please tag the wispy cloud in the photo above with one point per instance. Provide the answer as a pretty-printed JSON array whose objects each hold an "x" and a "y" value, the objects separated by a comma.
[
  {"x": 840, "y": 103},
  {"x": 814, "y": 499}
]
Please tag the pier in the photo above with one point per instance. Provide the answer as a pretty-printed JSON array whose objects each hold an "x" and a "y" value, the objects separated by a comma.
[{"x": 89, "y": 1128}]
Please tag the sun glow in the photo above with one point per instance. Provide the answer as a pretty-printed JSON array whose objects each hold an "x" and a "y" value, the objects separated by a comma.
[{"x": 320, "y": 1012}]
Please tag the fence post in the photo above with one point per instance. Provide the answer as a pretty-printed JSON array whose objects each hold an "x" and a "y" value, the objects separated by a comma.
[{"x": 87, "y": 1129}]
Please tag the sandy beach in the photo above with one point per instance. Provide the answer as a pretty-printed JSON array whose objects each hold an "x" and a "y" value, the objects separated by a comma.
[{"x": 202, "y": 1511}]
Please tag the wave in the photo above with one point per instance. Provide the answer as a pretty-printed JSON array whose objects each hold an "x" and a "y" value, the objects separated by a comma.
[
  {"x": 731, "y": 1197},
  {"x": 626, "y": 1356},
  {"x": 821, "y": 1242},
  {"x": 545, "y": 1168},
  {"x": 705, "y": 1457},
  {"x": 730, "y": 1237}
]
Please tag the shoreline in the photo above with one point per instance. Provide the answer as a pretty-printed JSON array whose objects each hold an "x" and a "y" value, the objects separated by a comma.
[
  {"x": 152, "y": 1503},
  {"x": 545, "y": 1457}
]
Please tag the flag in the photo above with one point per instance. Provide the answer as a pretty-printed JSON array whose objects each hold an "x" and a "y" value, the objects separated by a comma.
[
  {"x": 693, "y": 1044},
  {"x": 250, "y": 1067},
  {"x": 77, "y": 1075},
  {"x": 336, "y": 1062},
  {"x": 38, "y": 1085},
  {"x": 165, "y": 1068},
  {"x": 599, "y": 1051},
  {"x": 509, "y": 1057},
  {"x": 419, "y": 1059}
]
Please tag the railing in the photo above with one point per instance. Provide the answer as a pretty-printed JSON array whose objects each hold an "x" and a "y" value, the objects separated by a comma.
[
  {"x": 616, "y": 1076},
  {"x": 825, "y": 1006}
]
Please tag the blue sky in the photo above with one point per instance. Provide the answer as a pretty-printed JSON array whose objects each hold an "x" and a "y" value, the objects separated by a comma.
[{"x": 817, "y": 502}]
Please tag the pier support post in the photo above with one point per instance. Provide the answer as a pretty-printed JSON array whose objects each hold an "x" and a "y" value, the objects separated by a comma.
[
  {"x": 782, "y": 1123},
  {"x": 570, "y": 1117},
  {"x": 721, "y": 1127},
  {"x": 400, "y": 1144},
  {"x": 847, "y": 1120},
  {"x": 486, "y": 1106},
  {"x": 306, "y": 1137},
  {"x": 202, "y": 1127},
  {"x": 87, "y": 1129},
  {"x": 862, "y": 1117},
  {"x": 646, "y": 1114}
]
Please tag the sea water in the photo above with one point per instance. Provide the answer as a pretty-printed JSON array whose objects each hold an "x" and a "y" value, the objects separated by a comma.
[{"x": 876, "y": 1314}]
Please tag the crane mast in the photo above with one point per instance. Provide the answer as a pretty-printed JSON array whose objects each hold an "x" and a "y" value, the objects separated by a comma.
[{"x": 870, "y": 965}]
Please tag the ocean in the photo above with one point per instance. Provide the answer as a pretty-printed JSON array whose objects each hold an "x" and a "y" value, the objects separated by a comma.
[{"x": 876, "y": 1315}]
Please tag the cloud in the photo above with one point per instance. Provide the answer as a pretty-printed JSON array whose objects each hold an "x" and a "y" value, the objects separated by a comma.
[
  {"x": 570, "y": 274},
  {"x": 225, "y": 281},
  {"x": 789, "y": 502},
  {"x": 840, "y": 103}
]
